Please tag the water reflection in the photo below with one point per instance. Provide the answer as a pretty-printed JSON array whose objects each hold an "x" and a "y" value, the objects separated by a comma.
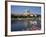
[{"x": 25, "y": 25}]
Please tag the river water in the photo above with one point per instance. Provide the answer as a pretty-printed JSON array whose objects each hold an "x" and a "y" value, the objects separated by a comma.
[{"x": 24, "y": 25}]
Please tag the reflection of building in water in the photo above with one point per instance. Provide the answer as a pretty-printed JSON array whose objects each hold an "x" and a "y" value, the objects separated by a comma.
[
  {"x": 33, "y": 22},
  {"x": 25, "y": 22}
]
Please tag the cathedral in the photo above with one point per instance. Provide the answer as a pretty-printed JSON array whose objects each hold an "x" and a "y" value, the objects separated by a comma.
[{"x": 27, "y": 12}]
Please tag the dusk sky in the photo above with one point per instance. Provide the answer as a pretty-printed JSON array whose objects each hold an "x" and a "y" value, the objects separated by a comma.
[{"x": 21, "y": 9}]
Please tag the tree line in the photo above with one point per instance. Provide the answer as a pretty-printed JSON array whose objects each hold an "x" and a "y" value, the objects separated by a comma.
[{"x": 13, "y": 16}]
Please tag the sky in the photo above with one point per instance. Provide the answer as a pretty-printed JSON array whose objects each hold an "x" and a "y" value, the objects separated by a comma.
[{"x": 21, "y": 9}]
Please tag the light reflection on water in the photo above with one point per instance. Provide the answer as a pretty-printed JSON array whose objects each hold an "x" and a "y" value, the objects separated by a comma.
[{"x": 24, "y": 25}]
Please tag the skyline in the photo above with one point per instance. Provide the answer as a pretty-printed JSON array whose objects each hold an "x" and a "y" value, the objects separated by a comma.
[{"x": 21, "y": 9}]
